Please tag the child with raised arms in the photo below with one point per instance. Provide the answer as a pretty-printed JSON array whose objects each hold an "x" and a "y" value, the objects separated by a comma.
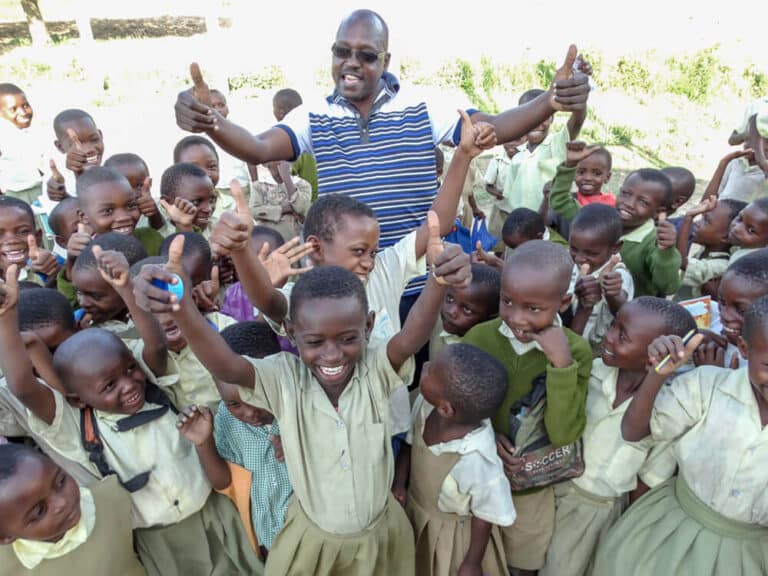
[
  {"x": 332, "y": 406},
  {"x": 712, "y": 518},
  {"x": 586, "y": 507},
  {"x": 448, "y": 476},
  {"x": 113, "y": 419},
  {"x": 49, "y": 525}
]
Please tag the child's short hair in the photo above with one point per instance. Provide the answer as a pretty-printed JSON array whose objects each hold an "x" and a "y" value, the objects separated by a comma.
[
  {"x": 324, "y": 216},
  {"x": 92, "y": 339},
  {"x": 658, "y": 177},
  {"x": 682, "y": 175},
  {"x": 734, "y": 206},
  {"x": 287, "y": 98},
  {"x": 11, "y": 202},
  {"x": 138, "y": 265},
  {"x": 10, "y": 456},
  {"x": 8, "y": 89},
  {"x": 128, "y": 246},
  {"x": 601, "y": 219},
  {"x": 755, "y": 317},
  {"x": 194, "y": 243},
  {"x": 66, "y": 116},
  {"x": 529, "y": 95},
  {"x": 489, "y": 278},
  {"x": 125, "y": 159},
  {"x": 753, "y": 267},
  {"x": 27, "y": 285},
  {"x": 332, "y": 282},
  {"x": 170, "y": 183},
  {"x": 523, "y": 222},
  {"x": 252, "y": 339},
  {"x": 677, "y": 320},
  {"x": 761, "y": 203},
  {"x": 477, "y": 382},
  {"x": 188, "y": 142},
  {"x": 57, "y": 214},
  {"x": 44, "y": 307},
  {"x": 98, "y": 175},
  {"x": 276, "y": 239},
  {"x": 603, "y": 151},
  {"x": 542, "y": 255}
]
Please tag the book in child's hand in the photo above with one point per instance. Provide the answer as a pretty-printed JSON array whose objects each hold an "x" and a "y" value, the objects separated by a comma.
[{"x": 701, "y": 310}]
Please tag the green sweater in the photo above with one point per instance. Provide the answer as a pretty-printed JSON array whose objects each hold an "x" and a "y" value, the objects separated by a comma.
[
  {"x": 655, "y": 272},
  {"x": 565, "y": 412}
]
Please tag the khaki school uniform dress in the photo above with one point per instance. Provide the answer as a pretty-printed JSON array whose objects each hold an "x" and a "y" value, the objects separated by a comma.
[
  {"x": 343, "y": 518},
  {"x": 586, "y": 507},
  {"x": 181, "y": 527},
  {"x": 443, "y": 498},
  {"x": 101, "y": 543},
  {"x": 713, "y": 517}
]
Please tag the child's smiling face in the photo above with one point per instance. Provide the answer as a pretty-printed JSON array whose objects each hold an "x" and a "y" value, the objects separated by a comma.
[
  {"x": 735, "y": 295},
  {"x": 202, "y": 156},
  {"x": 712, "y": 229},
  {"x": 15, "y": 226},
  {"x": 39, "y": 502},
  {"x": 95, "y": 296},
  {"x": 756, "y": 352},
  {"x": 750, "y": 228},
  {"x": 331, "y": 334},
  {"x": 626, "y": 343},
  {"x": 110, "y": 207},
  {"x": 592, "y": 173},
  {"x": 16, "y": 109},
  {"x": 638, "y": 201},
  {"x": 354, "y": 246}
]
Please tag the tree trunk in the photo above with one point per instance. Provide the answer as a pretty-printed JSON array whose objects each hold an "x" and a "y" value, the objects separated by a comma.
[{"x": 37, "y": 29}]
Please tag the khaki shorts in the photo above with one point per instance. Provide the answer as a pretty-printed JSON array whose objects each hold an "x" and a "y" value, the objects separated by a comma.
[{"x": 527, "y": 540}]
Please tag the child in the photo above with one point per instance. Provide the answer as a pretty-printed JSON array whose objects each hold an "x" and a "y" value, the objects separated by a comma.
[
  {"x": 19, "y": 239},
  {"x": 738, "y": 177},
  {"x": 50, "y": 525},
  {"x": 63, "y": 221},
  {"x": 587, "y": 506},
  {"x": 683, "y": 186},
  {"x": 749, "y": 230},
  {"x": 458, "y": 495},
  {"x": 279, "y": 200},
  {"x": 202, "y": 152},
  {"x": 20, "y": 151},
  {"x": 136, "y": 171},
  {"x": 81, "y": 141},
  {"x": 600, "y": 283},
  {"x": 463, "y": 308},
  {"x": 649, "y": 247},
  {"x": 304, "y": 166},
  {"x": 528, "y": 340},
  {"x": 112, "y": 419},
  {"x": 590, "y": 168},
  {"x": 333, "y": 411},
  {"x": 712, "y": 517},
  {"x": 711, "y": 233},
  {"x": 188, "y": 198},
  {"x": 219, "y": 102},
  {"x": 245, "y": 436}
]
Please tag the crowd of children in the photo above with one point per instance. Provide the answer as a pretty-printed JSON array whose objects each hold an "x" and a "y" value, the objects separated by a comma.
[{"x": 217, "y": 379}]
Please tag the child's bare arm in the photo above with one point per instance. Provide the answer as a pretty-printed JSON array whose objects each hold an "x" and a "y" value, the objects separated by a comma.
[
  {"x": 231, "y": 236},
  {"x": 474, "y": 139},
  {"x": 209, "y": 347},
  {"x": 114, "y": 270},
  {"x": 480, "y": 533},
  {"x": 636, "y": 423},
  {"x": 14, "y": 359},
  {"x": 713, "y": 187},
  {"x": 706, "y": 205},
  {"x": 450, "y": 265},
  {"x": 196, "y": 424},
  {"x": 402, "y": 473}
]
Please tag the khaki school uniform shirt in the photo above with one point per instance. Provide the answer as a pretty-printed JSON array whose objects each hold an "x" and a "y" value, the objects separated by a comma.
[
  {"x": 701, "y": 270},
  {"x": 611, "y": 465},
  {"x": 339, "y": 461},
  {"x": 722, "y": 447}
]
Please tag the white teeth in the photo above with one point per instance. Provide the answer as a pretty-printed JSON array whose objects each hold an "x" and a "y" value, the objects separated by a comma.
[
  {"x": 173, "y": 333},
  {"x": 126, "y": 230},
  {"x": 328, "y": 371},
  {"x": 348, "y": 78},
  {"x": 15, "y": 255}
]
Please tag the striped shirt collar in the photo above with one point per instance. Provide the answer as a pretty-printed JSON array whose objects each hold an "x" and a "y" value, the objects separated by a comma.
[{"x": 391, "y": 86}]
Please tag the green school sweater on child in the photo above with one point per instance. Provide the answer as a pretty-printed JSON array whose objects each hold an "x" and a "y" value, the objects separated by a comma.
[
  {"x": 655, "y": 272},
  {"x": 565, "y": 413}
]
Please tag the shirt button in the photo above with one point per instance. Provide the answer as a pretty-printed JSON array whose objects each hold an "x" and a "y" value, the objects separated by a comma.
[
  {"x": 339, "y": 424},
  {"x": 344, "y": 466},
  {"x": 175, "y": 502}
]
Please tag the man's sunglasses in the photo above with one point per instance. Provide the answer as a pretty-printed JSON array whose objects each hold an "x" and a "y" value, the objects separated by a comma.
[{"x": 364, "y": 56}]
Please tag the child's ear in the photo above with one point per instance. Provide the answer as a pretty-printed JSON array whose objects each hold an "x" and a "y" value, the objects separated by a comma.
[
  {"x": 82, "y": 217},
  {"x": 74, "y": 400},
  {"x": 386, "y": 61},
  {"x": 566, "y": 302},
  {"x": 445, "y": 409},
  {"x": 742, "y": 344},
  {"x": 370, "y": 320},
  {"x": 616, "y": 248},
  {"x": 317, "y": 249}
]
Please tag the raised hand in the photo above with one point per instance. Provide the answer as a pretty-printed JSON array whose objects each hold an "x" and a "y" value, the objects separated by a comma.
[
  {"x": 666, "y": 233},
  {"x": 113, "y": 266},
  {"x": 41, "y": 260},
  {"x": 554, "y": 344},
  {"x": 77, "y": 158},
  {"x": 452, "y": 266},
  {"x": 487, "y": 258},
  {"x": 193, "y": 106},
  {"x": 279, "y": 262},
  {"x": 576, "y": 152},
  {"x": 151, "y": 298},
  {"x": 570, "y": 88},
  {"x": 587, "y": 288},
  {"x": 671, "y": 347},
  {"x": 475, "y": 137},
  {"x": 206, "y": 293},
  {"x": 78, "y": 241},
  {"x": 233, "y": 230},
  {"x": 435, "y": 244},
  {"x": 9, "y": 289},
  {"x": 196, "y": 424},
  {"x": 146, "y": 203},
  {"x": 182, "y": 213},
  {"x": 706, "y": 205},
  {"x": 611, "y": 281},
  {"x": 55, "y": 187}
]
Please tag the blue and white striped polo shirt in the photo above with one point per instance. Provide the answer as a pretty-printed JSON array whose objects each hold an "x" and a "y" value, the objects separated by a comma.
[{"x": 386, "y": 160}]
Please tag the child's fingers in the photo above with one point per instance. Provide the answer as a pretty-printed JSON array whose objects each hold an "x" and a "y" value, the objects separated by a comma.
[
  {"x": 74, "y": 139},
  {"x": 241, "y": 204},
  {"x": 175, "y": 252},
  {"x": 464, "y": 117},
  {"x": 55, "y": 171},
  {"x": 566, "y": 70},
  {"x": 34, "y": 253},
  {"x": 734, "y": 362},
  {"x": 146, "y": 187},
  {"x": 201, "y": 90},
  {"x": 575, "y": 146},
  {"x": 612, "y": 263},
  {"x": 434, "y": 241},
  {"x": 214, "y": 284},
  {"x": 264, "y": 251}
]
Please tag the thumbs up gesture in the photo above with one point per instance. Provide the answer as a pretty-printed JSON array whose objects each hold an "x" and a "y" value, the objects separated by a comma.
[
  {"x": 193, "y": 107},
  {"x": 181, "y": 212},
  {"x": 666, "y": 233},
  {"x": 449, "y": 263},
  {"x": 233, "y": 230},
  {"x": 77, "y": 158},
  {"x": 113, "y": 266},
  {"x": 152, "y": 298},
  {"x": 55, "y": 186},
  {"x": 611, "y": 281},
  {"x": 79, "y": 240},
  {"x": 475, "y": 137},
  {"x": 40, "y": 260},
  {"x": 570, "y": 86},
  {"x": 587, "y": 288},
  {"x": 9, "y": 289},
  {"x": 146, "y": 203}
]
